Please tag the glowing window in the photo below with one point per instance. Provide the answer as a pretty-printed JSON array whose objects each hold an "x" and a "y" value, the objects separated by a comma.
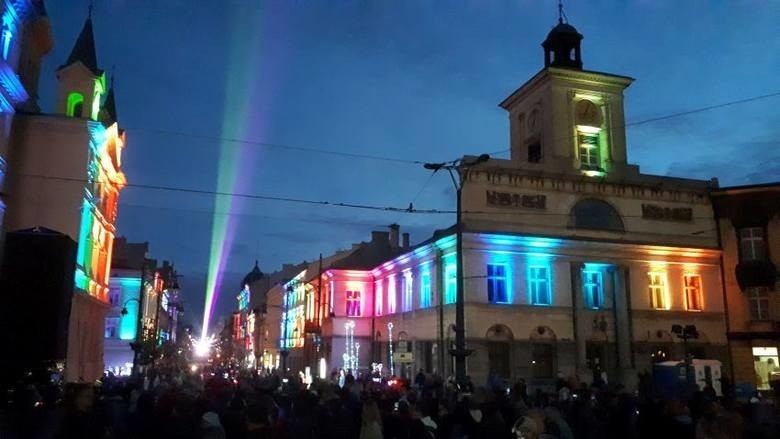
[
  {"x": 111, "y": 325},
  {"x": 657, "y": 289},
  {"x": 391, "y": 294},
  {"x": 353, "y": 303},
  {"x": 450, "y": 282},
  {"x": 114, "y": 295},
  {"x": 593, "y": 289},
  {"x": 378, "y": 298},
  {"x": 406, "y": 303},
  {"x": 758, "y": 303},
  {"x": 539, "y": 285},
  {"x": 751, "y": 244},
  {"x": 7, "y": 36},
  {"x": 425, "y": 289},
  {"x": 496, "y": 283},
  {"x": 75, "y": 105},
  {"x": 693, "y": 294},
  {"x": 589, "y": 151}
]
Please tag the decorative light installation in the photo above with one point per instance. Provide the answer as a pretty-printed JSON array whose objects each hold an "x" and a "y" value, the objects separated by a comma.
[
  {"x": 350, "y": 362},
  {"x": 390, "y": 340},
  {"x": 356, "y": 358},
  {"x": 323, "y": 369}
]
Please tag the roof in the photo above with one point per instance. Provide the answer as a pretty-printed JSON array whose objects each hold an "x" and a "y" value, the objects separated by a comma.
[
  {"x": 253, "y": 275},
  {"x": 368, "y": 256},
  {"x": 108, "y": 112},
  {"x": 84, "y": 50}
]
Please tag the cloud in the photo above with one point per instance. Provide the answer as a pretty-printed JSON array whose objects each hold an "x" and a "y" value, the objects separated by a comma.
[{"x": 743, "y": 163}]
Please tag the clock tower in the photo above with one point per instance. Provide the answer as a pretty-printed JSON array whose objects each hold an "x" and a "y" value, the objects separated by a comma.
[{"x": 566, "y": 119}]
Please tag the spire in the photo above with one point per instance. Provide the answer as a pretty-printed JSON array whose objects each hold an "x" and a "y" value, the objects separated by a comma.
[
  {"x": 108, "y": 111},
  {"x": 84, "y": 49}
]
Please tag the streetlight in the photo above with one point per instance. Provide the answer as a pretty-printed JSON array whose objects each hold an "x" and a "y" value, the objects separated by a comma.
[{"x": 460, "y": 352}]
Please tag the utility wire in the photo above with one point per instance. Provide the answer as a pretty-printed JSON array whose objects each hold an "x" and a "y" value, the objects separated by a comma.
[
  {"x": 669, "y": 116},
  {"x": 324, "y": 203}
]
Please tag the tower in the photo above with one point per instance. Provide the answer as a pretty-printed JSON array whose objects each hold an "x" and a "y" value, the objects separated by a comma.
[
  {"x": 81, "y": 84},
  {"x": 566, "y": 119}
]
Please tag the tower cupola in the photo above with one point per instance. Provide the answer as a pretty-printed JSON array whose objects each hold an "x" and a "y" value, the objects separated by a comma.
[{"x": 562, "y": 45}]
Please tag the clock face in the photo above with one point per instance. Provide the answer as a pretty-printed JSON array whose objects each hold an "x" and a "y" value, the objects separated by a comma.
[
  {"x": 588, "y": 113},
  {"x": 533, "y": 120}
]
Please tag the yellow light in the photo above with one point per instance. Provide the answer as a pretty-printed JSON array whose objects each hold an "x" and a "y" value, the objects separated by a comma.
[
  {"x": 194, "y": 368},
  {"x": 588, "y": 129}
]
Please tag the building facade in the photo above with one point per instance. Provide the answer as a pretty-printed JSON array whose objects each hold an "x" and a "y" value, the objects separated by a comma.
[
  {"x": 574, "y": 262},
  {"x": 749, "y": 226},
  {"x": 67, "y": 175}
]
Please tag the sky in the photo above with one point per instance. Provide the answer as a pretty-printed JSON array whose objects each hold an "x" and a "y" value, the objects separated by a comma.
[{"x": 233, "y": 96}]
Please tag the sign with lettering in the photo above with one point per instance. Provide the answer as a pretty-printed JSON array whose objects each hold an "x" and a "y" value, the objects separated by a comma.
[
  {"x": 506, "y": 199},
  {"x": 653, "y": 212},
  {"x": 403, "y": 357}
]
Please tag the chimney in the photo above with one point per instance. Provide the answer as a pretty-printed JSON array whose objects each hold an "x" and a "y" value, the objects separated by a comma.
[
  {"x": 405, "y": 240},
  {"x": 394, "y": 229},
  {"x": 377, "y": 237}
]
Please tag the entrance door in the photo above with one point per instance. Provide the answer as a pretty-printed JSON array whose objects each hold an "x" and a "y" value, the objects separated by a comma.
[{"x": 498, "y": 358}]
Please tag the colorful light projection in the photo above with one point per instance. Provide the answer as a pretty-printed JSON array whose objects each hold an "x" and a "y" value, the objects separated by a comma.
[
  {"x": 392, "y": 294},
  {"x": 425, "y": 285},
  {"x": 98, "y": 211},
  {"x": 450, "y": 277},
  {"x": 235, "y": 159},
  {"x": 406, "y": 302}
]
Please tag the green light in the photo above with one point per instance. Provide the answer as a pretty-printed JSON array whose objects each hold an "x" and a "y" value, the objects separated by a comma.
[
  {"x": 100, "y": 88},
  {"x": 75, "y": 105}
]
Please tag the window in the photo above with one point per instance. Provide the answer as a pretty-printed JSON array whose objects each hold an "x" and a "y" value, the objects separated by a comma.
[
  {"x": 693, "y": 297},
  {"x": 657, "y": 289},
  {"x": 111, "y": 325},
  {"x": 391, "y": 294},
  {"x": 595, "y": 214},
  {"x": 7, "y": 36},
  {"x": 406, "y": 303},
  {"x": 75, "y": 105},
  {"x": 450, "y": 282},
  {"x": 758, "y": 303},
  {"x": 425, "y": 289},
  {"x": 593, "y": 289},
  {"x": 751, "y": 244},
  {"x": 496, "y": 283},
  {"x": 114, "y": 295},
  {"x": 535, "y": 152},
  {"x": 378, "y": 298},
  {"x": 539, "y": 285},
  {"x": 353, "y": 303},
  {"x": 589, "y": 151}
]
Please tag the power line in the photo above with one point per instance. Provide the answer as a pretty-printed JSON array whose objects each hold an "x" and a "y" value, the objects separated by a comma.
[
  {"x": 669, "y": 116},
  {"x": 279, "y": 146},
  {"x": 324, "y": 203}
]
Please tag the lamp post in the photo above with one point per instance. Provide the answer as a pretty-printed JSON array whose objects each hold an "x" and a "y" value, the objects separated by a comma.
[
  {"x": 139, "y": 316},
  {"x": 686, "y": 333},
  {"x": 460, "y": 352},
  {"x": 135, "y": 346}
]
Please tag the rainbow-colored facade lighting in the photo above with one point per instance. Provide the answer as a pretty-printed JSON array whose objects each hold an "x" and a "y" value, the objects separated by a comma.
[
  {"x": 129, "y": 288},
  {"x": 99, "y": 209}
]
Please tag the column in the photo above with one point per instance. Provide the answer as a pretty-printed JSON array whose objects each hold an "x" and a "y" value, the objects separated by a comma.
[
  {"x": 579, "y": 321},
  {"x": 622, "y": 303}
]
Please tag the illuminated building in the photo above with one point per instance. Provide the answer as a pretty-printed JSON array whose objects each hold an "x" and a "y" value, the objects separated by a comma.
[
  {"x": 25, "y": 37},
  {"x": 245, "y": 319},
  {"x": 749, "y": 226},
  {"x": 72, "y": 158},
  {"x": 574, "y": 262}
]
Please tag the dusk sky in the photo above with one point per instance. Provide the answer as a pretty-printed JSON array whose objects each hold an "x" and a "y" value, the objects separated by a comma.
[{"x": 204, "y": 86}]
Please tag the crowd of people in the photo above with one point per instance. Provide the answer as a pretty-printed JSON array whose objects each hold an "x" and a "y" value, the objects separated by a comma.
[{"x": 217, "y": 405}]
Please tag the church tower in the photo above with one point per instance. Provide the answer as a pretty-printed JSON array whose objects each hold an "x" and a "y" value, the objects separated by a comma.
[
  {"x": 81, "y": 84},
  {"x": 566, "y": 119}
]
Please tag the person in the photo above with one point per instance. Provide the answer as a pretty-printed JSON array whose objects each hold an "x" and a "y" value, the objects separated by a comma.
[
  {"x": 419, "y": 380},
  {"x": 371, "y": 423},
  {"x": 81, "y": 420},
  {"x": 211, "y": 427}
]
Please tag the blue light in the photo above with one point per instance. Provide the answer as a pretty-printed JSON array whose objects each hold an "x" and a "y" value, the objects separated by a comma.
[
  {"x": 539, "y": 288},
  {"x": 450, "y": 278},
  {"x": 425, "y": 285}
]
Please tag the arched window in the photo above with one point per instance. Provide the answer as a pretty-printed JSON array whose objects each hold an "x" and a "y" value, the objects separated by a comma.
[
  {"x": 595, "y": 214},
  {"x": 75, "y": 105}
]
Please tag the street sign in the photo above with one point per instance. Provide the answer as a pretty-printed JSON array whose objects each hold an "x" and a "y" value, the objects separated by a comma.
[{"x": 403, "y": 357}]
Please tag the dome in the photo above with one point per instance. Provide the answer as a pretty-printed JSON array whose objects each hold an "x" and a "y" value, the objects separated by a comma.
[
  {"x": 563, "y": 28},
  {"x": 252, "y": 276}
]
